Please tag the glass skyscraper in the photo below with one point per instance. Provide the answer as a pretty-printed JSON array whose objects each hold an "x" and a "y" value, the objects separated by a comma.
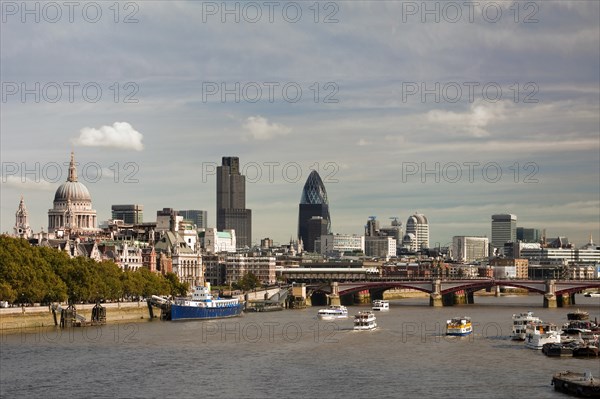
[{"x": 313, "y": 202}]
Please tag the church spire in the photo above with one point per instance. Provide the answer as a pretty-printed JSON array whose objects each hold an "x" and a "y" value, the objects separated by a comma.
[{"x": 72, "y": 168}]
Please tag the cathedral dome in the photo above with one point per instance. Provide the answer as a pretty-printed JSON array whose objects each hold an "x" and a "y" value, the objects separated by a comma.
[{"x": 72, "y": 190}]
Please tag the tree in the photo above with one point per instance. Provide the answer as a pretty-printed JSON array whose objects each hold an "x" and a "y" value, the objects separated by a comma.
[{"x": 248, "y": 282}]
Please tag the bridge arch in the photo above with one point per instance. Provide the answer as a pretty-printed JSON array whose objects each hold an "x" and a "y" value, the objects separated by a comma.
[{"x": 383, "y": 286}]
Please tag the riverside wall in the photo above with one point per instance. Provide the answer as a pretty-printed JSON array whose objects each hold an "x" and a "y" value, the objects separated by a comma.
[{"x": 41, "y": 316}]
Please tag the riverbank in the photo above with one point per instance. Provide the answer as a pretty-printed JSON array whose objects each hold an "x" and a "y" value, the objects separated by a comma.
[{"x": 41, "y": 316}]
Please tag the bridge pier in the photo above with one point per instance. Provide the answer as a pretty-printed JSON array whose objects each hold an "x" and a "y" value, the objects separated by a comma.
[
  {"x": 362, "y": 297},
  {"x": 497, "y": 291},
  {"x": 334, "y": 300},
  {"x": 550, "y": 296},
  {"x": 470, "y": 297},
  {"x": 435, "y": 298}
]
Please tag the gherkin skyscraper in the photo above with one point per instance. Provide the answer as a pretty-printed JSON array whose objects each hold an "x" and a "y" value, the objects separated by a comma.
[{"x": 313, "y": 215}]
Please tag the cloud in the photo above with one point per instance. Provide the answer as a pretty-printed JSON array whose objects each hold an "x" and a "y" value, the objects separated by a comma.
[
  {"x": 472, "y": 122},
  {"x": 25, "y": 183},
  {"x": 120, "y": 135},
  {"x": 259, "y": 128}
]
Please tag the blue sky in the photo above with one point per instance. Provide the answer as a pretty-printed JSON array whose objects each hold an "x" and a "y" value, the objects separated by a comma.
[{"x": 371, "y": 132}]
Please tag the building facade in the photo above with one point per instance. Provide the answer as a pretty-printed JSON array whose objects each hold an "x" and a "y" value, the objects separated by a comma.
[
  {"x": 263, "y": 267},
  {"x": 469, "y": 249},
  {"x": 214, "y": 241},
  {"x": 130, "y": 214},
  {"x": 231, "y": 202}
]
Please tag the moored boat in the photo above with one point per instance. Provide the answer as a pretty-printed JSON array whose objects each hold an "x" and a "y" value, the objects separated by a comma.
[
  {"x": 520, "y": 322},
  {"x": 555, "y": 349},
  {"x": 379, "y": 305},
  {"x": 459, "y": 326},
  {"x": 578, "y": 315},
  {"x": 365, "y": 321},
  {"x": 585, "y": 350},
  {"x": 333, "y": 312},
  {"x": 203, "y": 305},
  {"x": 538, "y": 334},
  {"x": 580, "y": 384}
]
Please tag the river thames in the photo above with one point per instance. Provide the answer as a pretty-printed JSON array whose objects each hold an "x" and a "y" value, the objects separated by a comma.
[{"x": 290, "y": 354}]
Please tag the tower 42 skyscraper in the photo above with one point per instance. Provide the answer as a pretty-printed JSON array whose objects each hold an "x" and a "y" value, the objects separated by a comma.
[
  {"x": 231, "y": 201},
  {"x": 313, "y": 202}
]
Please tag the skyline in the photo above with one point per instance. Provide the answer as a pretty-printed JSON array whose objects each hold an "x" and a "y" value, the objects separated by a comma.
[{"x": 379, "y": 61}]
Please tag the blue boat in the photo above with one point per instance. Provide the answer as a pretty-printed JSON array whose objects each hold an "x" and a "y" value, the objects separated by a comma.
[{"x": 203, "y": 305}]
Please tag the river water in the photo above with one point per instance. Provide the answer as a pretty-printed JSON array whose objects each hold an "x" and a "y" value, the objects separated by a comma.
[{"x": 290, "y": 354}]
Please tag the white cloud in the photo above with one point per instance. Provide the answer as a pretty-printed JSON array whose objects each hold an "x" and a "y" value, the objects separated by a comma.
[
  {"x": 472, "y": 122},
  {"x": 25, "y": 183},
  {"x": 120, "y": 135},
  {"x": 259, "y": 128}
]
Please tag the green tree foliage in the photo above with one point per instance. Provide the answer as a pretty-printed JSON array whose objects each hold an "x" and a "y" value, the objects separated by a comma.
[
  {"x": 248, "y": 282},
  {"x": 41, "y": 274}
]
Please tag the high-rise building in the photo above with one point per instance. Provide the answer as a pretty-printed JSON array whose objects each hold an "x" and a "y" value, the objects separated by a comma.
[
  {"x": 313, "y": 202},
  {"x": 528, "y": 235},
  {"x": 196, "y": 216},
  {"x": 130, "y": 214},
  {"x": 231, "y": 202},
  {"x": 417, "y": 232},
  {"x": 504, "y": 229},
  {"x": 372, "y": 227},
  {"x": 468, "y": 249}
]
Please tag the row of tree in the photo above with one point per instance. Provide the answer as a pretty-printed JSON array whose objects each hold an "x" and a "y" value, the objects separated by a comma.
[{"x": 30, "y": 274}]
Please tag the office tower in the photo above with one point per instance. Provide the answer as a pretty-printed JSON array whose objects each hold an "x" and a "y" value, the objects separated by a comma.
[
  {"x": 196, "y": 216},
  {"x": 504, "y": 229},
  {"x": 313, "y": 202},
  {"x": 231, "y": 202},
  {"x": 372, "y": 227},
  {"x": 130, "y": 214},
  {"x": 417, "y": 232}
]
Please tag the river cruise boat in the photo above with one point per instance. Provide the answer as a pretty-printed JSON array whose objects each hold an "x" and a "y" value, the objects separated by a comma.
[
  {"x": 459, "y": 326},
  {"x": 202, "y": 305},
  {"x": 365, "y": 321},
  {"x": 333, "y": 312},
  {"x": 380, "y": 305},
  {"x": 520, "y": 322},
  {"x": 538, "y": 334}
]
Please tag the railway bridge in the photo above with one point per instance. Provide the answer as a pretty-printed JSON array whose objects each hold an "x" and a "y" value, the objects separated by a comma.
[{"x": 556, "y": 293}]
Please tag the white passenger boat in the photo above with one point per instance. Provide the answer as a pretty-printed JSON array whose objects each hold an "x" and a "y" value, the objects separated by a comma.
[
  {"x": 520, "y": 322},
  {"x": 333, "y": 312},
  {"x": 379, "y": 305},
  {"x": 365, "y": 321},
  {"x": 538, "y": 334},
  {"x": 459, "y": 326}
]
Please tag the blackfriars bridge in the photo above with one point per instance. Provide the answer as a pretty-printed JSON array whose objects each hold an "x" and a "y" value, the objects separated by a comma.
[{"x": 556, "y": 293}]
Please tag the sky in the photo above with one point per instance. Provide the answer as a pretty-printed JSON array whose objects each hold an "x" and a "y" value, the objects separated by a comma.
[{"x": 451, "y": 109}]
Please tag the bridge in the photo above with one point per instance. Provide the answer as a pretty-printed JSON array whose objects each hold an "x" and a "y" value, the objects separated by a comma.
[{"x": 556, "y": 293}]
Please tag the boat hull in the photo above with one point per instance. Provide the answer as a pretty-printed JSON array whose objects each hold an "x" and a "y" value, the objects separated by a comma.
[
  {"x": 459, "y": 334},
  {"x": 181, "y": 312}
]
